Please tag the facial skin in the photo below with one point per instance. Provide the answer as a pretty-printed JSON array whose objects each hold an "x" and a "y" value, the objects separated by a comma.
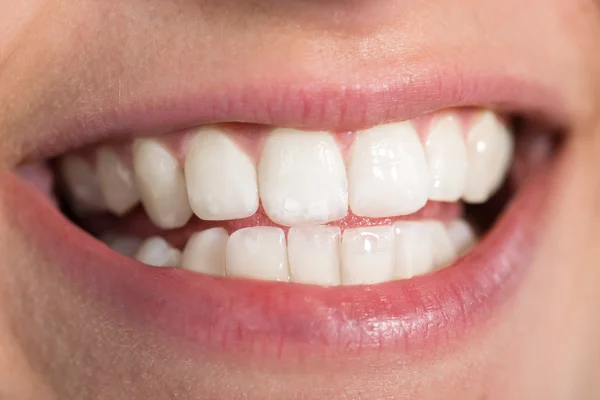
[{"x": 62, "y": 58}]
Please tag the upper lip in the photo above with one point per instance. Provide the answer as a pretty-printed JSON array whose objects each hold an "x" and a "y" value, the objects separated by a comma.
[{"x": 311, "y": 106}]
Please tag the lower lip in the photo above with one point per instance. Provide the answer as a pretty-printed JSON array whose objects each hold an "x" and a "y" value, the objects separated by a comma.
[{"x": 415, "y": 316}]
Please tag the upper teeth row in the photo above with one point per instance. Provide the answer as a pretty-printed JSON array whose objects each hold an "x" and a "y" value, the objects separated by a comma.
[{"x": 301, "y": 178}]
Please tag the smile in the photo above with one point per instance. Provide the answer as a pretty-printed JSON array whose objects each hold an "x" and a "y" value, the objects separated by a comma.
[
  {"x": 242, "y": 232},
  {"x": 351, "y": 208}
]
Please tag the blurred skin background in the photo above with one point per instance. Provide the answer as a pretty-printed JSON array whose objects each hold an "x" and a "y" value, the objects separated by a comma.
[{"x": 63, "y": 58}]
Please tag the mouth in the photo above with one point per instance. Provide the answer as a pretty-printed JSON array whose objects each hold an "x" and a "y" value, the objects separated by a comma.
[{"x": 405, "y": 233}]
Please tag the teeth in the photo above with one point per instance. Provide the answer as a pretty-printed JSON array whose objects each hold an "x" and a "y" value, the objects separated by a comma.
[
  {"x": 157, "y": 252},
  {"x": 443, "y": 250},
  {"x": 161, "y": 184},
  {"x": 447, "y": 160},
  {"x": 462, "y": 235},
  {"x": 490, "y": 150},
  {"x": 258, "y": 252},
  {"x": 117, "y": 182},
  {"x": 302, "y": 183},
  {"x": 205, "y": 252},
  {"x": 126, "y": 245},
  {"x": 313, "y": 254},
  {"x": 221, "y": 178},
  {"x": 302, "y": 178},
  {"x": 387, "y": 172},
  {"x": 82, "y": 183},
  {"x": 414, "y": 252},
  {"x": 367, "y": 255}
]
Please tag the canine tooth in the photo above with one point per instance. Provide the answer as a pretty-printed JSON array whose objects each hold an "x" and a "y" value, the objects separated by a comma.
[
  {"x": 367, "y": 255},
  {"x": 387, "y": 172},
  {"x": 490, "y": 149},
  {"x": 461, "y": 235},
  {"x": 447, "y": 160},
  {"x": 161, "y": 183},
  {"x": 258, "y": 252},
  {"x": 157, "y": 252},
  {"x": 313, "y": 254},
  {"x": 414, "y": 252},
  {"x": 205, "y": 252},
  {"x": 302, "y": 178},
  {"x": 82, "y": 183},
  {"x": 117, "y": 182},
  {"x": 220, "y": 177},
  {"x": 443, "y": 252},
  {"x": 126, "y": 245}
]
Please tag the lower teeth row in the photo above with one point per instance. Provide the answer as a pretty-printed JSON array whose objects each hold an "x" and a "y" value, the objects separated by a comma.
[{"x": 322, "y": 255}]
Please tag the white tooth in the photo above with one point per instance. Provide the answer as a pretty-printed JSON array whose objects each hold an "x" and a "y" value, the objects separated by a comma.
[
  {"x": 157, "y": 252},
  {"x": 490, "y": 150},
  {"x": 161, "y": 183},
  {"x": 258, "y": 252},
  {"x": 447, "y": 160},
  {"x": 126, "y": 245},
  {"x": 313, "y": 254},
  {"x": 82, "y": 182},
  {"x": 205, "y": 252},
  {"x": 414, "y": 252},
  {"x": 117, "y": 182},
  {"x": 444, "y": 252},
  {"x": 220, "y": 177},
  {"x": 387, "y": 172},
  {"x": 302, "y": 178},
  {"x": 462, "y": 235},
  {"x": 367, "y": 255}
]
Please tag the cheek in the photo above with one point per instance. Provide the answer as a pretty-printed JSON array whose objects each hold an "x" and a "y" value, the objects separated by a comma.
[{"x": 561, "y": 297}]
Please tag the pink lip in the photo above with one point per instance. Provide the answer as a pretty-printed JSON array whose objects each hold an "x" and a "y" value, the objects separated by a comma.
[
  {"x": 336, "y": 107},
  {"x": 273, "y": 319}
]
